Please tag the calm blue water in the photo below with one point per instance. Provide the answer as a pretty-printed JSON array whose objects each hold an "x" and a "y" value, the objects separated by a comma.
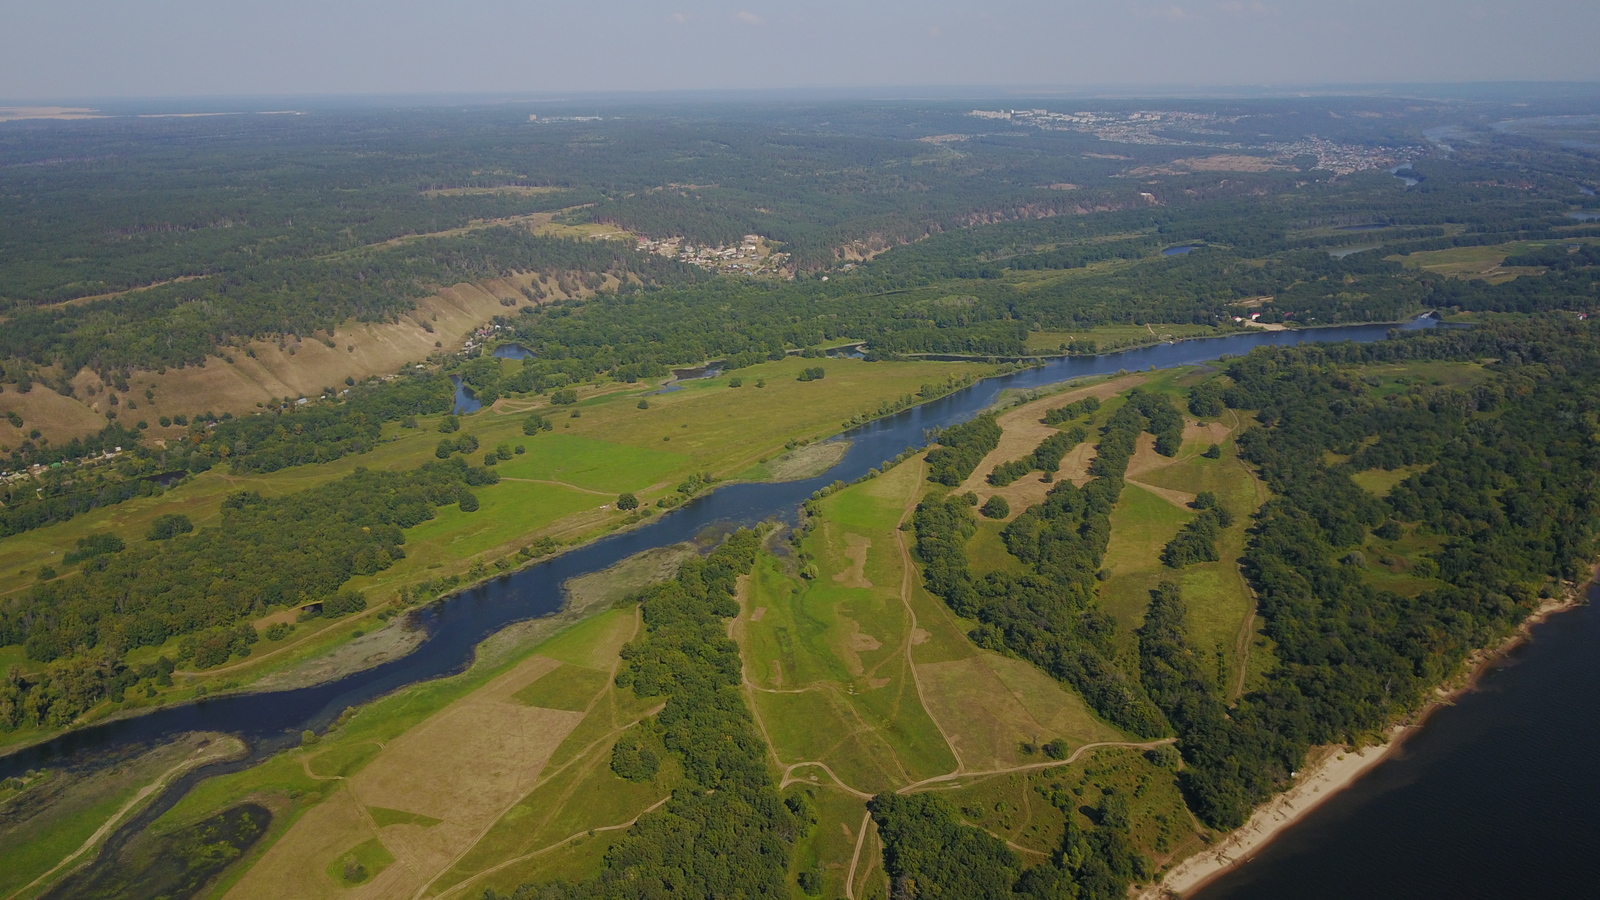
[
  {"x": 1179, "y": 251},
  {"x": 1494, "y": 798},
  {"x": 1342, "y": 252},
  {"x": 512, "y": 351},
  {"x": 466, "y": 401},
  {"x": 270, "y": 721}
]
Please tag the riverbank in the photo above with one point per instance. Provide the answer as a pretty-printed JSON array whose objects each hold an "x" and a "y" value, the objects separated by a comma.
[{"x": 1337, "y": 768}]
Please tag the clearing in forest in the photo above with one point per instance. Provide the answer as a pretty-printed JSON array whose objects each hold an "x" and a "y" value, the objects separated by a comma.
[
  {"x": 864, "y": 682},
  {"x": 1021, "y": 433}
]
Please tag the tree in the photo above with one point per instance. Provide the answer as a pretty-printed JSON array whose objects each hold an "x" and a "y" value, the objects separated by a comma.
[
  {"x": 468, "y": 501},
  {"x": 169, "y": 526},
  {"x": 627, "y": 501},
  {"x": 996, "y": 508}
]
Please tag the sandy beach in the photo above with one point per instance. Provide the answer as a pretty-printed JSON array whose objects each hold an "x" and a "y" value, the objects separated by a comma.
[{"x": 1331, "y": 770}]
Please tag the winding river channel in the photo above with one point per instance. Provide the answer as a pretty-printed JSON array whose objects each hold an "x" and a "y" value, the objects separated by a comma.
[
  {"x": 269, "y": 721},
  {"x": 272, "y": 721}
]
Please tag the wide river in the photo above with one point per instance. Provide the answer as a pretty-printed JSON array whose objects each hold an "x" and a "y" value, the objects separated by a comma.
[{"x": 1496, "y": 796}]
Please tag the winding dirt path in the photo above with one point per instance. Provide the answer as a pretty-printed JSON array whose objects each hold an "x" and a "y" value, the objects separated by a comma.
[
  {"x": 458, "y": 888},
  {"x": 908, "y": 571},
  {"x": 545, "y": 776},
  {"x": 1241, "y": 645},
  {"x": 855, "y": 858}
]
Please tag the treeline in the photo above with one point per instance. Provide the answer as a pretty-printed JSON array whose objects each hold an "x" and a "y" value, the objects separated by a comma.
[
  {"x": 1196, "y": 541},
  {"x": 182, "y": 323},
  {"x": 928, "y": 852},
  {"x": 288, "y": 551},
  {"x": 283, "y": 436},
  {"x": 1073, "y": 410},
  {"x": 1051, "y": 616},
  {"x": 1510, "y": 486},
  {"x": 323, "y": 431},
  {"x": 961, "y": 448},
  {"x": 1045, "y": 458},
  {"x": 725, "y": 832}
]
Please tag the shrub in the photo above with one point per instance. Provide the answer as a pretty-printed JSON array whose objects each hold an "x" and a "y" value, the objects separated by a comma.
[
  {"x": 92, "y": 546},
  {"x": 634, "y": 761},
  {"x": 996, "y": 508},
  {"x": 169, "y": 526},
  {"x": 343, "y": 603}
]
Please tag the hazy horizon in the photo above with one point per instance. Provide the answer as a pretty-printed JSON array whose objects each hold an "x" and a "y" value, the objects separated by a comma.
[{"x": 78, "y": 49}]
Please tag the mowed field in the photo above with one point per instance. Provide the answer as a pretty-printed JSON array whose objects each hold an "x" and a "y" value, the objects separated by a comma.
[
  {"x": 864, "y": 682},
  {"x": 1478, "y": 262},
  {"x": 446, "y": 785},
  {"x": 1022, "y": 431}
]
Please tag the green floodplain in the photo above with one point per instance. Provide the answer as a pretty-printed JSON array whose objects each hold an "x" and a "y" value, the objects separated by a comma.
[{"x": 1069, "y": 646}]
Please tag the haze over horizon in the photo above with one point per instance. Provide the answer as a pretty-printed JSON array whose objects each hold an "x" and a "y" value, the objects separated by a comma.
[{"x": 94, "y": 49}]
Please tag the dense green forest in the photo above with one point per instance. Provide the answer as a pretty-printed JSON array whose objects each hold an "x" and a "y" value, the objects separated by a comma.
[
  {"x": 292, "y": 551},
  {"x": 291, "y": 240}
]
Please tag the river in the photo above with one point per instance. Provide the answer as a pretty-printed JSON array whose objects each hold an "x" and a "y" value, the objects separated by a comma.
[
  {"x": 1494, "y": 797},
  {"x": 271, "y": 721}
]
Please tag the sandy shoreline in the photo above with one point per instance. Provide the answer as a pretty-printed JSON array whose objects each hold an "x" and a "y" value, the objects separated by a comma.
[{"x": 1333, "y": 770}]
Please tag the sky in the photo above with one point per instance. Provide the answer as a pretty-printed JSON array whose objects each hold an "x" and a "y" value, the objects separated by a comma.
[{"x": 67, "y": 49}]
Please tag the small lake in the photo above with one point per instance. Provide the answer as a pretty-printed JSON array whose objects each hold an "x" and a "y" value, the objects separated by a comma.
[
  {"x": 1584, "y": 216},
  {"x": 1342, "y": 252},
  {"x": 1179, "y": 251},
  {"x": 1586, "y": 190},
  {"x": 512, "y": 351},
  {"x": 466, "y": 400},
  {"x": 1405, "y": 173}
]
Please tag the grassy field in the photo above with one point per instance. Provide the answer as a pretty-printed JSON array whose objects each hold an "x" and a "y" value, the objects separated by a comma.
[
  {"x": 564, "y": 486},
  {"x": 1480, "y": 262},
  {"x": 840, "y": 676},
  {"x": 1379, "y": 482},
  {"x": 1153, "y": 508},
  {"x": 420, "y": 776},
  {"x": 836, "y": 646},
  {"x": 1015, "y": 807},
  {"x": 1111, "y": 337},
  {"x": 1387, "y": 380}
]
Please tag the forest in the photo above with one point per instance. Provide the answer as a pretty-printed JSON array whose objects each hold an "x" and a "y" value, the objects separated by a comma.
[{"x": 294, "y": 551}]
